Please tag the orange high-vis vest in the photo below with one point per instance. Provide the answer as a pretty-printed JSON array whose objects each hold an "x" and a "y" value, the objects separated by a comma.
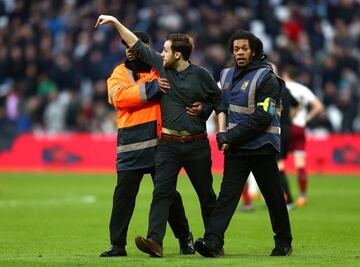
[{"x": 138, "y": 118}]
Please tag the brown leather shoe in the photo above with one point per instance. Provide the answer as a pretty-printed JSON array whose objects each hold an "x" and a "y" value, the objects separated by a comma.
[{"x": 149, "y": 246}]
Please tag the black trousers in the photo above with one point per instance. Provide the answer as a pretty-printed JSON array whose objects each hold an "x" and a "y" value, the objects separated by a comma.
[
  {"x": 170, "y": 157},
  {"x": 236, "y": 171},
  {"x": 127, "y": 187},
  {"x": 285, "y": 138}
]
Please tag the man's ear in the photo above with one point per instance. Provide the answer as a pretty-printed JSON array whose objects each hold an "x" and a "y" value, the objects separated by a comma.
[{"x": 177, "y": 55}]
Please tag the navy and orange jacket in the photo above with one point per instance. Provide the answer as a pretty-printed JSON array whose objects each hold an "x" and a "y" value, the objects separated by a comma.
[{"x": 138, "y": 117}]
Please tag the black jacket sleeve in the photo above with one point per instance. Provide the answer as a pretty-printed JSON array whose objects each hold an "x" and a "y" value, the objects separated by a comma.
[
  {"x": 213, "y": 91},
  {"x": 149, "y": 56},
  {"x": 259, "y": 120},
  {"x": 207, "y": 111}
]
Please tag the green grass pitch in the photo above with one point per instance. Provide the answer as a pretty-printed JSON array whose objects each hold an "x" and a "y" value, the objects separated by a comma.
[{"x": 62, "y": 220}]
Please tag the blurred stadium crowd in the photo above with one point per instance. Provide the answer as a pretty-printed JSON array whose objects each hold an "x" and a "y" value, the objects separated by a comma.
[{"x": 54, "y": 64}]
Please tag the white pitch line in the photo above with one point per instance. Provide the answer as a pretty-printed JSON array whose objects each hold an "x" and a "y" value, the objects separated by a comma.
[{"x": 68, "y": 200}]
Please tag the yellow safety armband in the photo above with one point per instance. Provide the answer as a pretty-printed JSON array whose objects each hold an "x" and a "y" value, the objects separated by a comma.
[{"x": 268, "y": 105}]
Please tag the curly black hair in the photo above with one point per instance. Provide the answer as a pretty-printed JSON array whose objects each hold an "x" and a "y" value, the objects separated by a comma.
[{"x": 255, "y": 43}]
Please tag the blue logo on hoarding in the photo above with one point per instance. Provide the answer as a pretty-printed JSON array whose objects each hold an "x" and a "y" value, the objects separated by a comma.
[
  {"x": 57, "y": 154},
  {"x": 346, "y": 154}
]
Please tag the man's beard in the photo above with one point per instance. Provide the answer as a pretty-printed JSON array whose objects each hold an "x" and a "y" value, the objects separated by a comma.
[{"x": 171, "y": 63}]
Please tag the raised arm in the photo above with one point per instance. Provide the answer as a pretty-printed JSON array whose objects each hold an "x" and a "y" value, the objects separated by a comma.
[
  {"x": 124, "y": 32},
  {"x": 145, "y": 53}
]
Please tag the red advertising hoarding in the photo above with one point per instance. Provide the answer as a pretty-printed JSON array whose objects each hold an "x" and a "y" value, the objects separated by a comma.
[
  {"x": 331, "y": 154},
  {"x": 61, "y": 152}
]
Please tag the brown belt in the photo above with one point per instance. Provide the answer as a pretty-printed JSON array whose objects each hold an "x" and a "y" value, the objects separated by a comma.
[{"x": 183, "y": 139}]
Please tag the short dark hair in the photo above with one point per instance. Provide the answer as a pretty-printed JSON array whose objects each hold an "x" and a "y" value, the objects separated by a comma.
[
  {"x": 181, "y": 42},
  {"x": 291, "y": 70},
  {"x": 255, "y": 43},
  {"x": 143, "y": 37}
]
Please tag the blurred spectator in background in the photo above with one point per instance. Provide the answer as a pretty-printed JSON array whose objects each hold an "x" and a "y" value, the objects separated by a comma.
[
  {"x": 309, "y": 107},
  {"x": 55, "y": 39}
]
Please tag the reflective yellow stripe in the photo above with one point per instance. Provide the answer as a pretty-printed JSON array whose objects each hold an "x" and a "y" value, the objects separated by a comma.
[
  {"x": 270, "y": 129},
  {"x": 137, "y": 146},
  {"x": 130, "y": 72},
  {"x": 273, "y": 130},
  {"x": 232, "y": 125},
  {"x": 238, "y": 109},
  {"x": 142, "y": 91},
  {"x": 113, "y": 91},
  {"x": 251, "y": 97},
  {"x": 223, "y": 77}
]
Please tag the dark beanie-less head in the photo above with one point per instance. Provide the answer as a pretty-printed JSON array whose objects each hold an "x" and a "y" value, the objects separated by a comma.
[{"x": 143, "y": 36}]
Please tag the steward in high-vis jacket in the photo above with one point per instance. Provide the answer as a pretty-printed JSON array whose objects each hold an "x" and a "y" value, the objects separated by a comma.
[
  {"x": 252, "y": 93},
  {"x": 134, "y": 93}
]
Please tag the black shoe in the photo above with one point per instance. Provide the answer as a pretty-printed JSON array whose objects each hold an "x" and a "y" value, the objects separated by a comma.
[
  {"x": 187, "y": 245},
  {"x": 281, "y": 251},
  {"x": 114, "y": 251},
  {"x": 208, "y": 249}
]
